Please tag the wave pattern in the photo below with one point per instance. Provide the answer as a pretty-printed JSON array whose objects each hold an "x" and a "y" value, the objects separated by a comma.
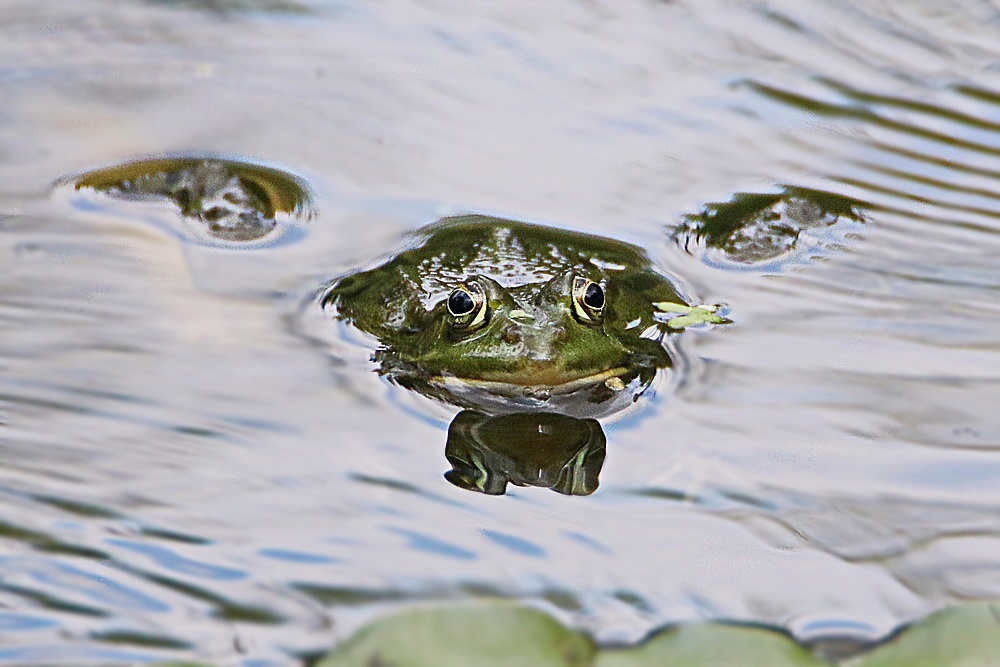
[{"x": 182, "y": 476}]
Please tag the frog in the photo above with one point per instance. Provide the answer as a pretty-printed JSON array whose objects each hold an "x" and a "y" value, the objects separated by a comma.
[
  {"x": 226, "y": 202},
  {"x": 505, "y": 316}
]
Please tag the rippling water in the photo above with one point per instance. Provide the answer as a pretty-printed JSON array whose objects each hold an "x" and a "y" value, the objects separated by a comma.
[{"x": 184, "y": 474}]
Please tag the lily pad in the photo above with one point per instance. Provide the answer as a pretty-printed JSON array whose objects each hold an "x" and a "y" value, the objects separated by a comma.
[
  {"x": 485, "y": 635},
  {"x": 713, "y": 645},
  {"x": 966, "y": 636}
]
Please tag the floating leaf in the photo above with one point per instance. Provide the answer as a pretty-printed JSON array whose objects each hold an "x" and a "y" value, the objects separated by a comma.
[
  {"x": 484, "y": 635},
  {"x": 713, "y": 645},
  {"x": 957, "y": 637}
]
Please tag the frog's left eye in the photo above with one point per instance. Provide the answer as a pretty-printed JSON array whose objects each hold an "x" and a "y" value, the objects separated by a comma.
[
  {"x": 467, "y": 306},
  {"x": 588, "y": 300}
]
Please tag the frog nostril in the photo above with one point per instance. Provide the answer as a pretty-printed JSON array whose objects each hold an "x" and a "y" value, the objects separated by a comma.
[{"x": 511, "y": 334}]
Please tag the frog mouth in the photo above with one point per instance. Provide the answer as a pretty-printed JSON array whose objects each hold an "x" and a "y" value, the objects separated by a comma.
[{"x": 551, "y": 383}]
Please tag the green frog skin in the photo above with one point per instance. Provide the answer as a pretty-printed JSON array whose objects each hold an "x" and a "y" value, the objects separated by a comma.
[{"x": 503, "y": 316}]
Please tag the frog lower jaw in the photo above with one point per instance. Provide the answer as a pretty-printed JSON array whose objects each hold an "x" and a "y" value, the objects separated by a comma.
[{"x": 527, "y": 386}]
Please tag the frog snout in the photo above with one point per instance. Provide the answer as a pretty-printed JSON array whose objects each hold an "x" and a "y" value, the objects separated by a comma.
[{"x": 538, "y": 339}]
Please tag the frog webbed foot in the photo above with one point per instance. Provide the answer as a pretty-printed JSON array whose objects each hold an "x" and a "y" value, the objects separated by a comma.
[{"x": 678, "y": 316}]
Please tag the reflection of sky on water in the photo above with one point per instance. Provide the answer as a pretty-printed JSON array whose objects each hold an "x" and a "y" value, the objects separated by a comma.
[{"x": 828, "y": 464}]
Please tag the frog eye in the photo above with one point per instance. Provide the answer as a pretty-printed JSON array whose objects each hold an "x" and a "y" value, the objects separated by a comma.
[
  {"x": 467, "y": 305},
  {"x": 588, "y": 300}
]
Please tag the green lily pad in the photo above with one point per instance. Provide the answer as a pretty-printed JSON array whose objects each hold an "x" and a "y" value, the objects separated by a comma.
[
  {"x": 966, "y": 636},
  {"x": 484, "y": 635},
  {"x": 713, "y": 645}
]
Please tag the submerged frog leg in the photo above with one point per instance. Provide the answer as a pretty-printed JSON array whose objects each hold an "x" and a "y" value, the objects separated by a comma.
[{"x": 685, "y": 316}]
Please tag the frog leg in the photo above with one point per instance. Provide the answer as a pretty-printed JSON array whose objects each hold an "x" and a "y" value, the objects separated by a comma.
[{"x": 683, "y": 315}]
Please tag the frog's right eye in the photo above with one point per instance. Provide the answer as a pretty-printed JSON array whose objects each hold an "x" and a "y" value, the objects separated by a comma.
[
  {"x": 468, "y": 308},
  {"x": 588, "y": 300}
]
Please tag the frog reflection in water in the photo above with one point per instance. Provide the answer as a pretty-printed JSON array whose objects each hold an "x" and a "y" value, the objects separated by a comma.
[{"x": 512, "y": 321}]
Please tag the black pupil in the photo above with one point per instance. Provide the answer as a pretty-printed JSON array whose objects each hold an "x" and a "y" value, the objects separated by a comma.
[
  {"x": 594, "y": 296},
  {"x": 460, "y": 303}
]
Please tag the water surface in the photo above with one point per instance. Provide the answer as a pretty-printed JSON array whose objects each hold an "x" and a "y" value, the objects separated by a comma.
[{"x": 185, "y": 473}]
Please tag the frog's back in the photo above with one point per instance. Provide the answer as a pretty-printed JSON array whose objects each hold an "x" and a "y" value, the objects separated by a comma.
[
  {"x": 399, "y": 295},
  {"x": 510, "y": 252}
]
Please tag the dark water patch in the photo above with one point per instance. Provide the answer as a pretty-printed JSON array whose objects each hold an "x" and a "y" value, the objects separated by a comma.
[
  {"x": 52, "y": 602},
  {"x": 908, "y": 104},
  {"x": 49, "y": 544},
  {"x": 709, "y": 499},
  {"x": 99, "y": 587},
  {"x": 121, "y": 638},
  {"x": 589, "y": 542},
  {"x": 751, "y": 501},
  {"x": 921, "y": 108},
  {"x": 174, "y": 562},
  {"x": 101, "y": 393},
  {"x": 634, "y": 600},
  {"x": 563, "y": 599},
  {"x": 384, "y": 482},
  {"x": 675, "y": 495},
  {"x": 45, "y": 404},
  {"x": 236, "y": 7},
  {"x": 887, "y": 180},
  {"x": 422, "y": 542},
  {"x": 56, "y": 580},
  {"x": 199, "y": 432},
  {"x": 516, "y": 544},
  {"x": 887, "y": 530},
  {"x": 949, "y": 142},
  {"x": 345, "y": 596},
  {"x": 10, "y": 622},
  {"x": 300, "y": 557},
  {"x": 948, "y": 164},
  {"x": 860, "y": 112},
  {"x": 172, "y": 535},
  {"x": 79, "y": 654},
  {"x": 256, "y": 424},
  {"x": 401, "y": 486},
  {"x": 221, "y": 607},
  {"x": 985, "y": 95},
  {"x": 964, "y": 189}
]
